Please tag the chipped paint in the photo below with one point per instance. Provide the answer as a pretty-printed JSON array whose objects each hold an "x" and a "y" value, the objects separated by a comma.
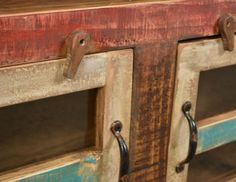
[
  {"x": 90, "y": 160},
  {"x": 115, "y": 74},
  {"x": 79, "y": 172},
  {"x": 216, "y": 135}
]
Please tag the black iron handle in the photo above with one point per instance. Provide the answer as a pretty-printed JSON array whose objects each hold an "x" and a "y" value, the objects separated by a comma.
[
  {"x": 116, "y": 128},
  {"x": 193, "y": 136}
]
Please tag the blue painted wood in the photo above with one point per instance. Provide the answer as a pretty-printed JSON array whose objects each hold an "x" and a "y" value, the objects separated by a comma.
[
  {"x": 212, "y": 136},
  {"x": 78, "y": 172}
]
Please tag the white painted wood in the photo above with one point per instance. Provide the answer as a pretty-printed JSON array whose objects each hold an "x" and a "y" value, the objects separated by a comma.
[
  {"x": 111, "y": 72},
  {"x": 45, "y": 79},
  {"x": 193, "y": 57}
]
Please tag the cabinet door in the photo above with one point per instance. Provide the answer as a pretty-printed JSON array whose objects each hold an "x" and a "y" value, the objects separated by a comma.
[
  {"x": 205, "y": 78},
  {"x": 57, "y": 129}
]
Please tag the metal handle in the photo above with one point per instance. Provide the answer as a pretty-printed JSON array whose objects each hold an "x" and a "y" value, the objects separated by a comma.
[
  {"x": 116, "y": 128},
  {"x": 193, "y": 136}
]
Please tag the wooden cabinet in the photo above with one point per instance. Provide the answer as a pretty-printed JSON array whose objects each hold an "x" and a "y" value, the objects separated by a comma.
[
  {"x": 54, "y": 128},
  {"x": 205, "y": 78},
  {"x": 34, "y": 32}
]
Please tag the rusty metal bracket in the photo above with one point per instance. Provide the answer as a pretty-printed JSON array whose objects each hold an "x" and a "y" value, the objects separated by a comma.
[
  {"x": 226, "y": 28},
  {"x": 77, "y": 46}
]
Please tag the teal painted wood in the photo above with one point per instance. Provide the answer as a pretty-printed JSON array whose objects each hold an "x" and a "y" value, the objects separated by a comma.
[
  {"x": 84, "y": 171},
  {"x": 216, "y": 135}
]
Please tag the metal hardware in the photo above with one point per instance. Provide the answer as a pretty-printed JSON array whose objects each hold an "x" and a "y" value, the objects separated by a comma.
[
  {"x": 116, "y": 128},
  {"x": 226, "y": 28},
  {"x": 193, "y": 136},
  {"x": 77, "y": 46}
]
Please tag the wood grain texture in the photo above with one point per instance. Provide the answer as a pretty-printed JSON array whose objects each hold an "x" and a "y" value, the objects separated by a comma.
[
  {"x": 217, "y": 134},
  {"x": 153, "y": 29},
  {"x": 37, "y": 37},
  {"x": 216, "y": 165},
  {"x": 193, "y": 58},
  {"x": 116, "y": 106},
  {"x": 152, "y": 96},
  {"x": 57, "y": 125},
  {"x": 33, "y": 6}
]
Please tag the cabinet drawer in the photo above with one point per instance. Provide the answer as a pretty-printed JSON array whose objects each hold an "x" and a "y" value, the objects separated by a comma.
[
  {"x": 205, "y": 81},
  {"x": 58, "y": 129}
]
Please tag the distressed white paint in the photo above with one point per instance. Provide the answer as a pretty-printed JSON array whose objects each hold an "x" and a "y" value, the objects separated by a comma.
[
  {"x": 193, "y": 57},
  {"x": 111, "y": 72},
  {"x": 44, "y": 79}
]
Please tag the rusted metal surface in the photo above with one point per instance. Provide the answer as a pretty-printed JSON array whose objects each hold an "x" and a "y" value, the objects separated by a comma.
[
  {"x": 227, "y": 27},
  {"x": 77, "y": 46}
]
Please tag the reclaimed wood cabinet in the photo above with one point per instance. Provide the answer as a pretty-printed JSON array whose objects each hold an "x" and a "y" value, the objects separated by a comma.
[{"x": 129, "y": 72}]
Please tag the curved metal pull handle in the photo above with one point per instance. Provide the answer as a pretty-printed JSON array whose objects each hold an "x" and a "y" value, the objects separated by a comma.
[
  {"x": 193, "y": 136},
  {"x": 116, "y": 128}
]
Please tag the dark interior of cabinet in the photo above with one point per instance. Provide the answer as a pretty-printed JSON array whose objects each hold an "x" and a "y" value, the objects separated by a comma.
[
  {"x": 216, "y": 92},
  {"x": 23, "y": 6},
  {"x": 39, "y": 130},
  {"x": 217, "y": 165}
]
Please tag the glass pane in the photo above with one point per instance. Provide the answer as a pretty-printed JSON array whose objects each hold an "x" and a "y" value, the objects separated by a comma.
[
  {"x": 41, "y": 129},
  {"x": 216, "y": 165},
  {"x": 216, "y": 92}
]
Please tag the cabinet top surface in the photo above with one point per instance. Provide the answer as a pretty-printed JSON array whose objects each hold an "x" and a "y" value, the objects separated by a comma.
[{"x": 9, "y": 7}]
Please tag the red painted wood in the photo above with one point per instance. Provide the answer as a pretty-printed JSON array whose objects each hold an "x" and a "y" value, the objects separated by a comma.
[
  {"x": 38, "y": 37},
  {"x": 153, "y": 30}
]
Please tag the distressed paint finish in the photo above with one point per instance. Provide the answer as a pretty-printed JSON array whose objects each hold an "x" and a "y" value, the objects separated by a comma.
[
  {"x": 112, "y": 73},
  {"x": 40, "y": 80},
  {"x": 215, "y": 135},
  {"x": 153, "y": 110},
  {"x": 193, "y": 57},
  {"x": 37, "y": 37},
  {"x": 152, "y": 29},
  {"x": 85, "y": 170}
]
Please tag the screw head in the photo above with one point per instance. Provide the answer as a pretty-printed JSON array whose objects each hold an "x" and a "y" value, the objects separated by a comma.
[
  {"x": 116, "y": 126},
  {"x": 187, "y": 106}
]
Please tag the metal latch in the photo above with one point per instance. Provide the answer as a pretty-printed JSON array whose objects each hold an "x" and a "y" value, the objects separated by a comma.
[
  {"x": 226, "y": 28},
  {"x": 77, "y": 45}
]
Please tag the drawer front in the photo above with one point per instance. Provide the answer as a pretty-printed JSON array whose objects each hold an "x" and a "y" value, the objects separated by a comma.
[
  {"x": 204, "y": 78},
  {"x": 110, "y": 74}
]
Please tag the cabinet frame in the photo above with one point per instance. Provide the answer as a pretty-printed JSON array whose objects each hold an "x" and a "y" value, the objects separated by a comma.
[
  {"x": 194, "y": 57},
  {"x": 111, "y": 72}
]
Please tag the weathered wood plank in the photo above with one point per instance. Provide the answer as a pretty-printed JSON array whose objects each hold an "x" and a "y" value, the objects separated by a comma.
[
  {"x": 33, "y": 6},
  {"x": 217, "y": 132},
  {"x": 152, "y": 173},
  {"x": 78, "y": 172},
  {"x": 37, "y": 37},
  {"x": 45, "y": 79},
  {"x": 152, "y": 105}
]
